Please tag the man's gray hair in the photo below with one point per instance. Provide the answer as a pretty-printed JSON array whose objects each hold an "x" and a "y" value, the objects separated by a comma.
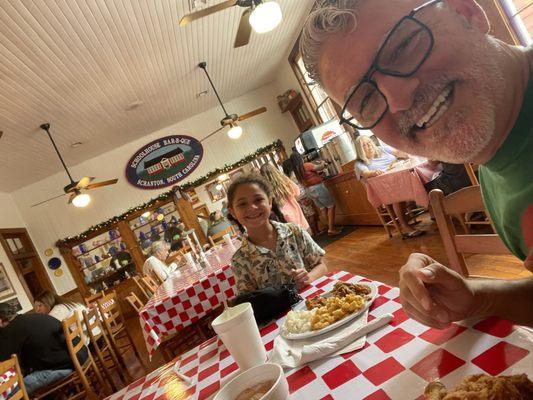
[
  {"x": 327, "y": 18},
  {"x": 157, "y": 246}
]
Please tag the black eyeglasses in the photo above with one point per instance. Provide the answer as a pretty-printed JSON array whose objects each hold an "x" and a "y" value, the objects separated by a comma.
[{"x": 405, "y": 49}]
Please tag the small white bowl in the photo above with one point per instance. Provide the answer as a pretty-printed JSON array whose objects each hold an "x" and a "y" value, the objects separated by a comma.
[{"x": 253, "y": 376}]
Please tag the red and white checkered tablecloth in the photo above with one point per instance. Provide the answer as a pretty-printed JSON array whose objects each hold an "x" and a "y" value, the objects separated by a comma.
[
  {"x": 397, "y": 361},
  {"x": 187, "y": 296},
  {"x": 4, "y": 378}
]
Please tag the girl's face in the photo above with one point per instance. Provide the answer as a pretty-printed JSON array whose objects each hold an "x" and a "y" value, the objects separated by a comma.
[
  {"x": 251, "y": 206},
  {"x": 41, "y": 308}
]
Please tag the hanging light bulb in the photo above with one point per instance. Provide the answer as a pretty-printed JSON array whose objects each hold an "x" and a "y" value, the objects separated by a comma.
[
  {"x": 146, "y": 214},
  {"x": 265, "y": 17},
  {"x": 81, "y": 200},
  {"x": 235, "y": 132}
]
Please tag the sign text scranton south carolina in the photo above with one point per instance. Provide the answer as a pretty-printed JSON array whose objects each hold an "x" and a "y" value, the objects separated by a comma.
[{"x": 164, "y": 162}]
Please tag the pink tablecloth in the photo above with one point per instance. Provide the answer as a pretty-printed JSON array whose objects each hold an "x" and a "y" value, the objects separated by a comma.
[
  {"x": 187, "y": 296},
  {"x": 397, "y": 361},
  {"x": 397, "y": 185}
]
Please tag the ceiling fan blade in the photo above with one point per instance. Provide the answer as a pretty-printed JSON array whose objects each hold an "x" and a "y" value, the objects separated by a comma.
[
  {"x": 207, "y": 11},
  {"x": 45, "y": 201},
  {"x": 212, "y": 133},
  {"x": 245, "y": 29},
  {"x": 100, "y": 184},
  {"x": 84, "y": 182},
  {"x": 252, "y": 113},
  {"x": 71, "y": 197}
]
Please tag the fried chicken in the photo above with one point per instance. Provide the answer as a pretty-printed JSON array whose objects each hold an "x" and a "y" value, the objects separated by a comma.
[
  {"x": 341, "y": 289},
  {"x": 315, "y": 302},
  {"x": 484, "y": 387}
]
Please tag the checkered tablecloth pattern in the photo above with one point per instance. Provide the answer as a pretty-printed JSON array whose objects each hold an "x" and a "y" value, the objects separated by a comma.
[
  {"x": 187, "y": 296},
  {"x": 4, "y": 378},
  {"x": 397, "y": 361}
]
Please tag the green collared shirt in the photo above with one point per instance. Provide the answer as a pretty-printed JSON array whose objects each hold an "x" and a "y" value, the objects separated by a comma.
[
  {"x": 256, "y": 267},
  {"x": 507, "y": 182}
]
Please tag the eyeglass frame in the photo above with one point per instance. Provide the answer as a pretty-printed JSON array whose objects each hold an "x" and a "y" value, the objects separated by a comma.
[{"x": 367, "y": 78}]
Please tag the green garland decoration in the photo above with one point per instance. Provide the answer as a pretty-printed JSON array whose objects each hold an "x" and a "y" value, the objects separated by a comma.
[{"x": 277, "y": 145}]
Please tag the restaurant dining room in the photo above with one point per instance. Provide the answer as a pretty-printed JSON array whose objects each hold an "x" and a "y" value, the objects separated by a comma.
[{"x": 266, "y": 199}]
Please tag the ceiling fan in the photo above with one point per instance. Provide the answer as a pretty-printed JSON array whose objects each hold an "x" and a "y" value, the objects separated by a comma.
[
  {"x": 74, "y": 189},
  {"x": 262, "y": 16},
  {"x": 231, "y": 120}
]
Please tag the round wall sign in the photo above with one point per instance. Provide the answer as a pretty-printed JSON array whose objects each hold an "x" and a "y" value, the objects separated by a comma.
[
  {"x": 54, "y": 263},
  {"x": 58, "y": 273},
  {"x": 48, "y": 252},
  {"x": 164, "y": 162}
]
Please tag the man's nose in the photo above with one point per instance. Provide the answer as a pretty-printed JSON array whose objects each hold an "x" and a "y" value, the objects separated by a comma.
[{"x": 398, "y": 91}]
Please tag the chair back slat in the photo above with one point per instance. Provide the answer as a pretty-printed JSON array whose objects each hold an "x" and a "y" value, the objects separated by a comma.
[
  {"x": 92, "y": 299},
  {"x": 463, "y": 201},
  {"x": 11, "y": 379},
  {"x": 140, "y": 286},
  {"x": 110, "y": 312},
  {"x": 91, "y": 317},
  {"x": 134, "y": 302},
  {"x": 483, "y": 244},
  {"x": 72, "y": 330},
  {"x": 150, "y": 283},
  {"x": 218, "y": 237}
]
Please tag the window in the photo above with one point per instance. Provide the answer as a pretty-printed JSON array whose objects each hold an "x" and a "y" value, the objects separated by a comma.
[
  {"x": 323, "y": 106},
  {"x": 520, "y": 15}
]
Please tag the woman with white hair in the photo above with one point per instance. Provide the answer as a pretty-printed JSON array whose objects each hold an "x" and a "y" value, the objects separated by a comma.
[
  {"x": 156, "y": 263},
  {"x": 373, "y": 161}
]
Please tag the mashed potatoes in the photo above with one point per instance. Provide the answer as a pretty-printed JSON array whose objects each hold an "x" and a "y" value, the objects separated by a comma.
[{"x": 298, "y": 321}]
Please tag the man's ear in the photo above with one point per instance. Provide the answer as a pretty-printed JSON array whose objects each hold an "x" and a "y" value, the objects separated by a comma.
[{"x": 472, "y": 12}]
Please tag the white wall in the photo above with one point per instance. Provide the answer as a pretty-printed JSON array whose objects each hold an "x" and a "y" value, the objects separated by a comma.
[
  {"x": 55, "y": 220},
  {"x": 10, "y": 218}
]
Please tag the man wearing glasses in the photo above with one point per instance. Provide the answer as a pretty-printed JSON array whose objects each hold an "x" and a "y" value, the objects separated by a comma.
[{"x": 429, "y": 80}]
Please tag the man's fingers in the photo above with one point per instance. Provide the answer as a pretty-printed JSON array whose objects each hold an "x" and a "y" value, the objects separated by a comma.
[
  {"x": 423, "y": 318},
  {"x": 417, "y": 289}
]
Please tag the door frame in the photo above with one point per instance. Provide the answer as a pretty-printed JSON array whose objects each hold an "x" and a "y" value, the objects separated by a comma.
[{"x": 47, "y": 281}]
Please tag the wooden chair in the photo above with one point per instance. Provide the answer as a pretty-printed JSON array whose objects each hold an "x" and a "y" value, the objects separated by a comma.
[
  {"x": 389, "y": 220},
  {"x": 76, "y": 385},
  {"x": 118, "y": 334},
  {"x": 15, "y": 381},
  {"x": 141, "y": 287},
  {"x": 218, "y": 237},
  {"x": 157, "y": 280},
  {"x": 106, "y": 358},
  {"x": 92, "y": 299},
  {"x": 463, "y": 201},
  {"x": 149, "y": 283},
  {"x": 134, "y": 302}
]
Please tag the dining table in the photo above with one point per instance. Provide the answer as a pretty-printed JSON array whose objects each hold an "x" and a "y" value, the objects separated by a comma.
[
  {"x": 190, "y": 293},
  {"x": 396, "y": 362},
  {"x": 403, "y": 182}
]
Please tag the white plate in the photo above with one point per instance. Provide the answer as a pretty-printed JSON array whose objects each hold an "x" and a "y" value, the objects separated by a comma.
[{"x": 301, "y": 306}]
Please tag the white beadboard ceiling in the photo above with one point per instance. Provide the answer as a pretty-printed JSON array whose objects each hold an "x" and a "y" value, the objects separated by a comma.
[{"x": 79, "y": 63}]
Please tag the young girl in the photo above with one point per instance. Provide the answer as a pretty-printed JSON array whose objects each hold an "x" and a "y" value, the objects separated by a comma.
[
  {"x": 285, "y": 194},
  {"x": 272, "y": 253}
]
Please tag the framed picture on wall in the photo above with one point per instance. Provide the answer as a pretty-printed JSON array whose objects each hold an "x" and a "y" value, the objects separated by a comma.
[
  {"x": 192, "y": 196},
  {"x": 13, "y": 303},
  {"x": 216, "y": 191},
  {"x": 6, "y": 288},
  {"x": 235, "y": 174}
]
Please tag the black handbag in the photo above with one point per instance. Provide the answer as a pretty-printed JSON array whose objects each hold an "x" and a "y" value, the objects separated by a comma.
[{"x": 270, "y": 302}]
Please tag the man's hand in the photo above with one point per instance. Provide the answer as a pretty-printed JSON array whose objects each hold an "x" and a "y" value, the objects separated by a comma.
[
  {"x": 378, "y": 172},
  {"x": 301, "y": 276},
  {"x": 433, "y": 294}
]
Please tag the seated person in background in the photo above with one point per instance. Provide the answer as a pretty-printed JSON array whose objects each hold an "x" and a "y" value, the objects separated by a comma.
[
  {"x": 272, "y": 253},
  {"x": 156, "y": 263},
  {"x": 451, "y": 178},
  {"x": 60, "y": 308},
  {"x": 39, "y": 343},
  {"x": 373, "y": 161}
]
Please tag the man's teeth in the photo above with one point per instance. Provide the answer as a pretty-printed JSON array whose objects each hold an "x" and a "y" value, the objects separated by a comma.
[{"x": 437, "y": 108}]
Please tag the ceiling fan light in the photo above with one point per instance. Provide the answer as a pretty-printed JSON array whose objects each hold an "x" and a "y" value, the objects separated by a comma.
[
  {"x": 81, "y": 200},
  {"x": 235, "y": 132},
  {"x": 265, "y": 17}
]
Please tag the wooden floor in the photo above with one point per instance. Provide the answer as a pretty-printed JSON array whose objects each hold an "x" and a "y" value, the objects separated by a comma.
[{"x": 368, "y": 251}]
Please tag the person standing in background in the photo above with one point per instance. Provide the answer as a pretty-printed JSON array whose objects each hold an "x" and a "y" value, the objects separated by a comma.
[
  {"x": 285, "y": 194},
  {"x": 308, "y": 175}
]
